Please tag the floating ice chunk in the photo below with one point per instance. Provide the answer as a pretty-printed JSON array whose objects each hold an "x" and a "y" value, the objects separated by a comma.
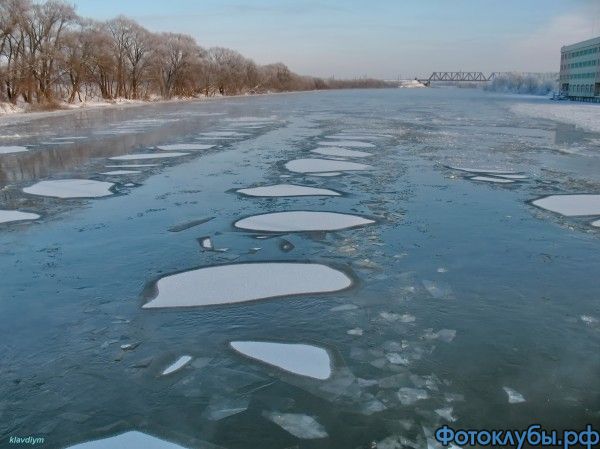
[
  {"x": 177, "y": 365},
  {"x": 409, "y": 396},
  {"x": 7, "y": 149},
  {"x": 70, "y": 138},
  {"x": 297, "y": 221},
  {"x": 357, "y": 331},
  {"x": 346, "y": 143},
  {"x": 206, "y": 243},
  {"x": 185, "y": 147},
  {"x": 446, "y": 335},
  {"x": 491, "y": 179},
  {"x": 396, "y": 359},
  {"x": 223, "y": 134},
  {"x": 302, "y": 359},
  {"x": 341, "y": 152},
  {"x": 354, "y": 136},
  {"x": 7, "y": 216},
  {"x": 140, "y": 156},
  {"x": 588, "y": 319},
  {"x": 512, "y": 176},
  {"x": 120, "y": 172},
  {"x": 71, "y": 188},
  {"x": 327, "y": 174},
  {"x": 446, "y": 413},
  {"x": 301, "y": 426},
  {"x": 227, "y": 284},
  {"x": 225, "y": 407},
  {"x": 438, "y": 291},
  {"x": 189, "y": 224},
  {"x": 596, "y": 223},
  {"x": 570, "y": 205},
  {"x": 128, "y": 440},
  {"x": 324, "y": 165},
  {"x": 491, "y": 171},
  {"x": 371, "y": 405},
  {"x": 287, "y": 190},
  {"x": 514, "y": 397}
]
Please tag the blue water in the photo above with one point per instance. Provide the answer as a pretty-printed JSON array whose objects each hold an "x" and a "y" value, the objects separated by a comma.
[{"x": 517, "y": 285}]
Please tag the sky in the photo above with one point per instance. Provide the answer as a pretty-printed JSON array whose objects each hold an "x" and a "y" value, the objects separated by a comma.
[{"x": 383, "y": 39}]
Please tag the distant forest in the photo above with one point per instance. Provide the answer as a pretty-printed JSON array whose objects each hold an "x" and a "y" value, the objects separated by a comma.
[
  {"x": 49, "y": 54},
  {"x": 524, "y": 83}
]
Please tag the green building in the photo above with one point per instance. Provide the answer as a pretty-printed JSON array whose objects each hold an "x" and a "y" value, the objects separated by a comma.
[{"x": 580, "y": 70}]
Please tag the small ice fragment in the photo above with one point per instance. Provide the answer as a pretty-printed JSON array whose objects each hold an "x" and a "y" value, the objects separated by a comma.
[
  {"x": 71, "y": 188},
  {"x": 7, "y": 149},
  {"x": 446, "y": 335},
  {"x": 407, "y": 318},
  {"x": 446, "y": 413},
  {"x": 225, "y": 407},
  {"x": 120, "y": 172},
  {"x": 128, "y": 440},
  {"x": 356, "y": 331},
  {"x": 189, "y": 224},
  {"x": 588, "y": 319},
  {"x": 131, "y": 165},
  {"x": 438, "y": 291},
  {"x": 223, "y": 134},
  {"x": 570, "y": 205},
  {"x": 327, "y": 174},
  {"x": 282, "y": 190},
  {"x": 7, "y": 216},
  {"x": 371, "y": 406},
  {"x": 177, "y": 365},
  {"x": 298, "y": 221},
  {"x": 286, "y": 246},
  {"x": 491, "y": 179},
  {"x": 140, "y": 156},
  {"x": 442, "y": 270},
  {"x": 185, "y": 147},
  {"x": 596, "y": 223},
  {"x": 346, "y": 143},
  {"x": 129, "y": 346},
  {"x": 302, "y": 359},
  {"x": 397, "y": 359},
  {"x": 514, "y": 397},
  {"x": 206, "y": 243},
  {"x": 491, "y": 171},
  {"x": 301, "y": 426},
  {"x": 409, "y": 396}
]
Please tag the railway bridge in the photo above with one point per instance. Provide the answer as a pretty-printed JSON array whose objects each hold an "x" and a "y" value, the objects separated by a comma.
[{"x": 472, "y": 77}]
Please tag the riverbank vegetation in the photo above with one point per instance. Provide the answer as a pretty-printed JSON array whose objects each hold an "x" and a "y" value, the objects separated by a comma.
[{"x": 50, "y": 56}]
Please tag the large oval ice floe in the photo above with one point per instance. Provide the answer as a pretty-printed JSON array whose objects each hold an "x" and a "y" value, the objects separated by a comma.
[
  {"x": 570, "y": 205},
  {"x": 346, "y": 143},
  {"x": 8, "y": 149},
  {"x": 71, "y": 188},
  {"x": 301, "y": 359},
  {"x": 278, "y": 190},
  {"x": 341, "y": 152},
  {"x": 129, "y": 440},
  {"x": 324, "y": 165},
  {"x": 140, "y": 156},
  {"x": 492, "y": 179},
  {"x": 185, "y": 147},
  {"x": 234, "y": 283},
  {"x": 300, "y": 220},
  {"x": 7, "y": 216}
]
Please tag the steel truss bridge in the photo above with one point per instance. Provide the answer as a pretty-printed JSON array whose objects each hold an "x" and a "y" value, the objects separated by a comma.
[{"x": 473, "y": 77}]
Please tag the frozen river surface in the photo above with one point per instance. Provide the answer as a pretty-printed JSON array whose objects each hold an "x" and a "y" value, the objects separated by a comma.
[{"x": 432, "y": 286}]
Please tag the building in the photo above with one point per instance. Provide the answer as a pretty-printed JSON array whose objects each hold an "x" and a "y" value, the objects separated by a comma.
[{"x": 580, "y": 70}]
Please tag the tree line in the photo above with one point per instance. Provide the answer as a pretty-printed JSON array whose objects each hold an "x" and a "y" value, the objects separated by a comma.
[{"x": 49, "y": 54}]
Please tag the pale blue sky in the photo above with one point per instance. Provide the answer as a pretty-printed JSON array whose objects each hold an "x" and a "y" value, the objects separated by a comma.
[{"x": 378, "y": 38}]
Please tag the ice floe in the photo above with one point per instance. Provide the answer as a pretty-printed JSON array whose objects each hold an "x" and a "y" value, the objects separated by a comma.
[
  {"x": 324, "y": 165},
  {"x": 491, "y": 179},
  {"x": 7, "y": 149},
  {"x": 189, "y": 224},
  {"x": 327, "y": 174},
  {"x": 357, "y": 331},
  {"x": 287, "y": 190},
  {"x": 140, "y": 156},
  {"x": 301, "y": 359},
  {"x": 343, "y": 136},
  {"x": 7, "y": 216},
  {"x": 517, "y": 177},
  {"x": 514, "y": 397},
  {"x": 71, "y": 188},
  {"x": 120, "y": 172},
  {"x": 298, "y": 221},
  {"x": 221, "y": 408},
  {"x": 177, "y": 365},
  {"x": 570, "y": 205},
  {"x": 301, "y": 426},
  {"x": 490, "y": 171},
  {"x": 128, "y": 440},
  {"x": 223, "y": 134},
  {"x": 409, "y": 396},
  {"x": 206, "y": 243},
  {"x": 341, "y": 152},
  {"x": 227, "y": 284},
  {"x": 346, "y": 143},
  {"x": 185, "y": 147}
]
